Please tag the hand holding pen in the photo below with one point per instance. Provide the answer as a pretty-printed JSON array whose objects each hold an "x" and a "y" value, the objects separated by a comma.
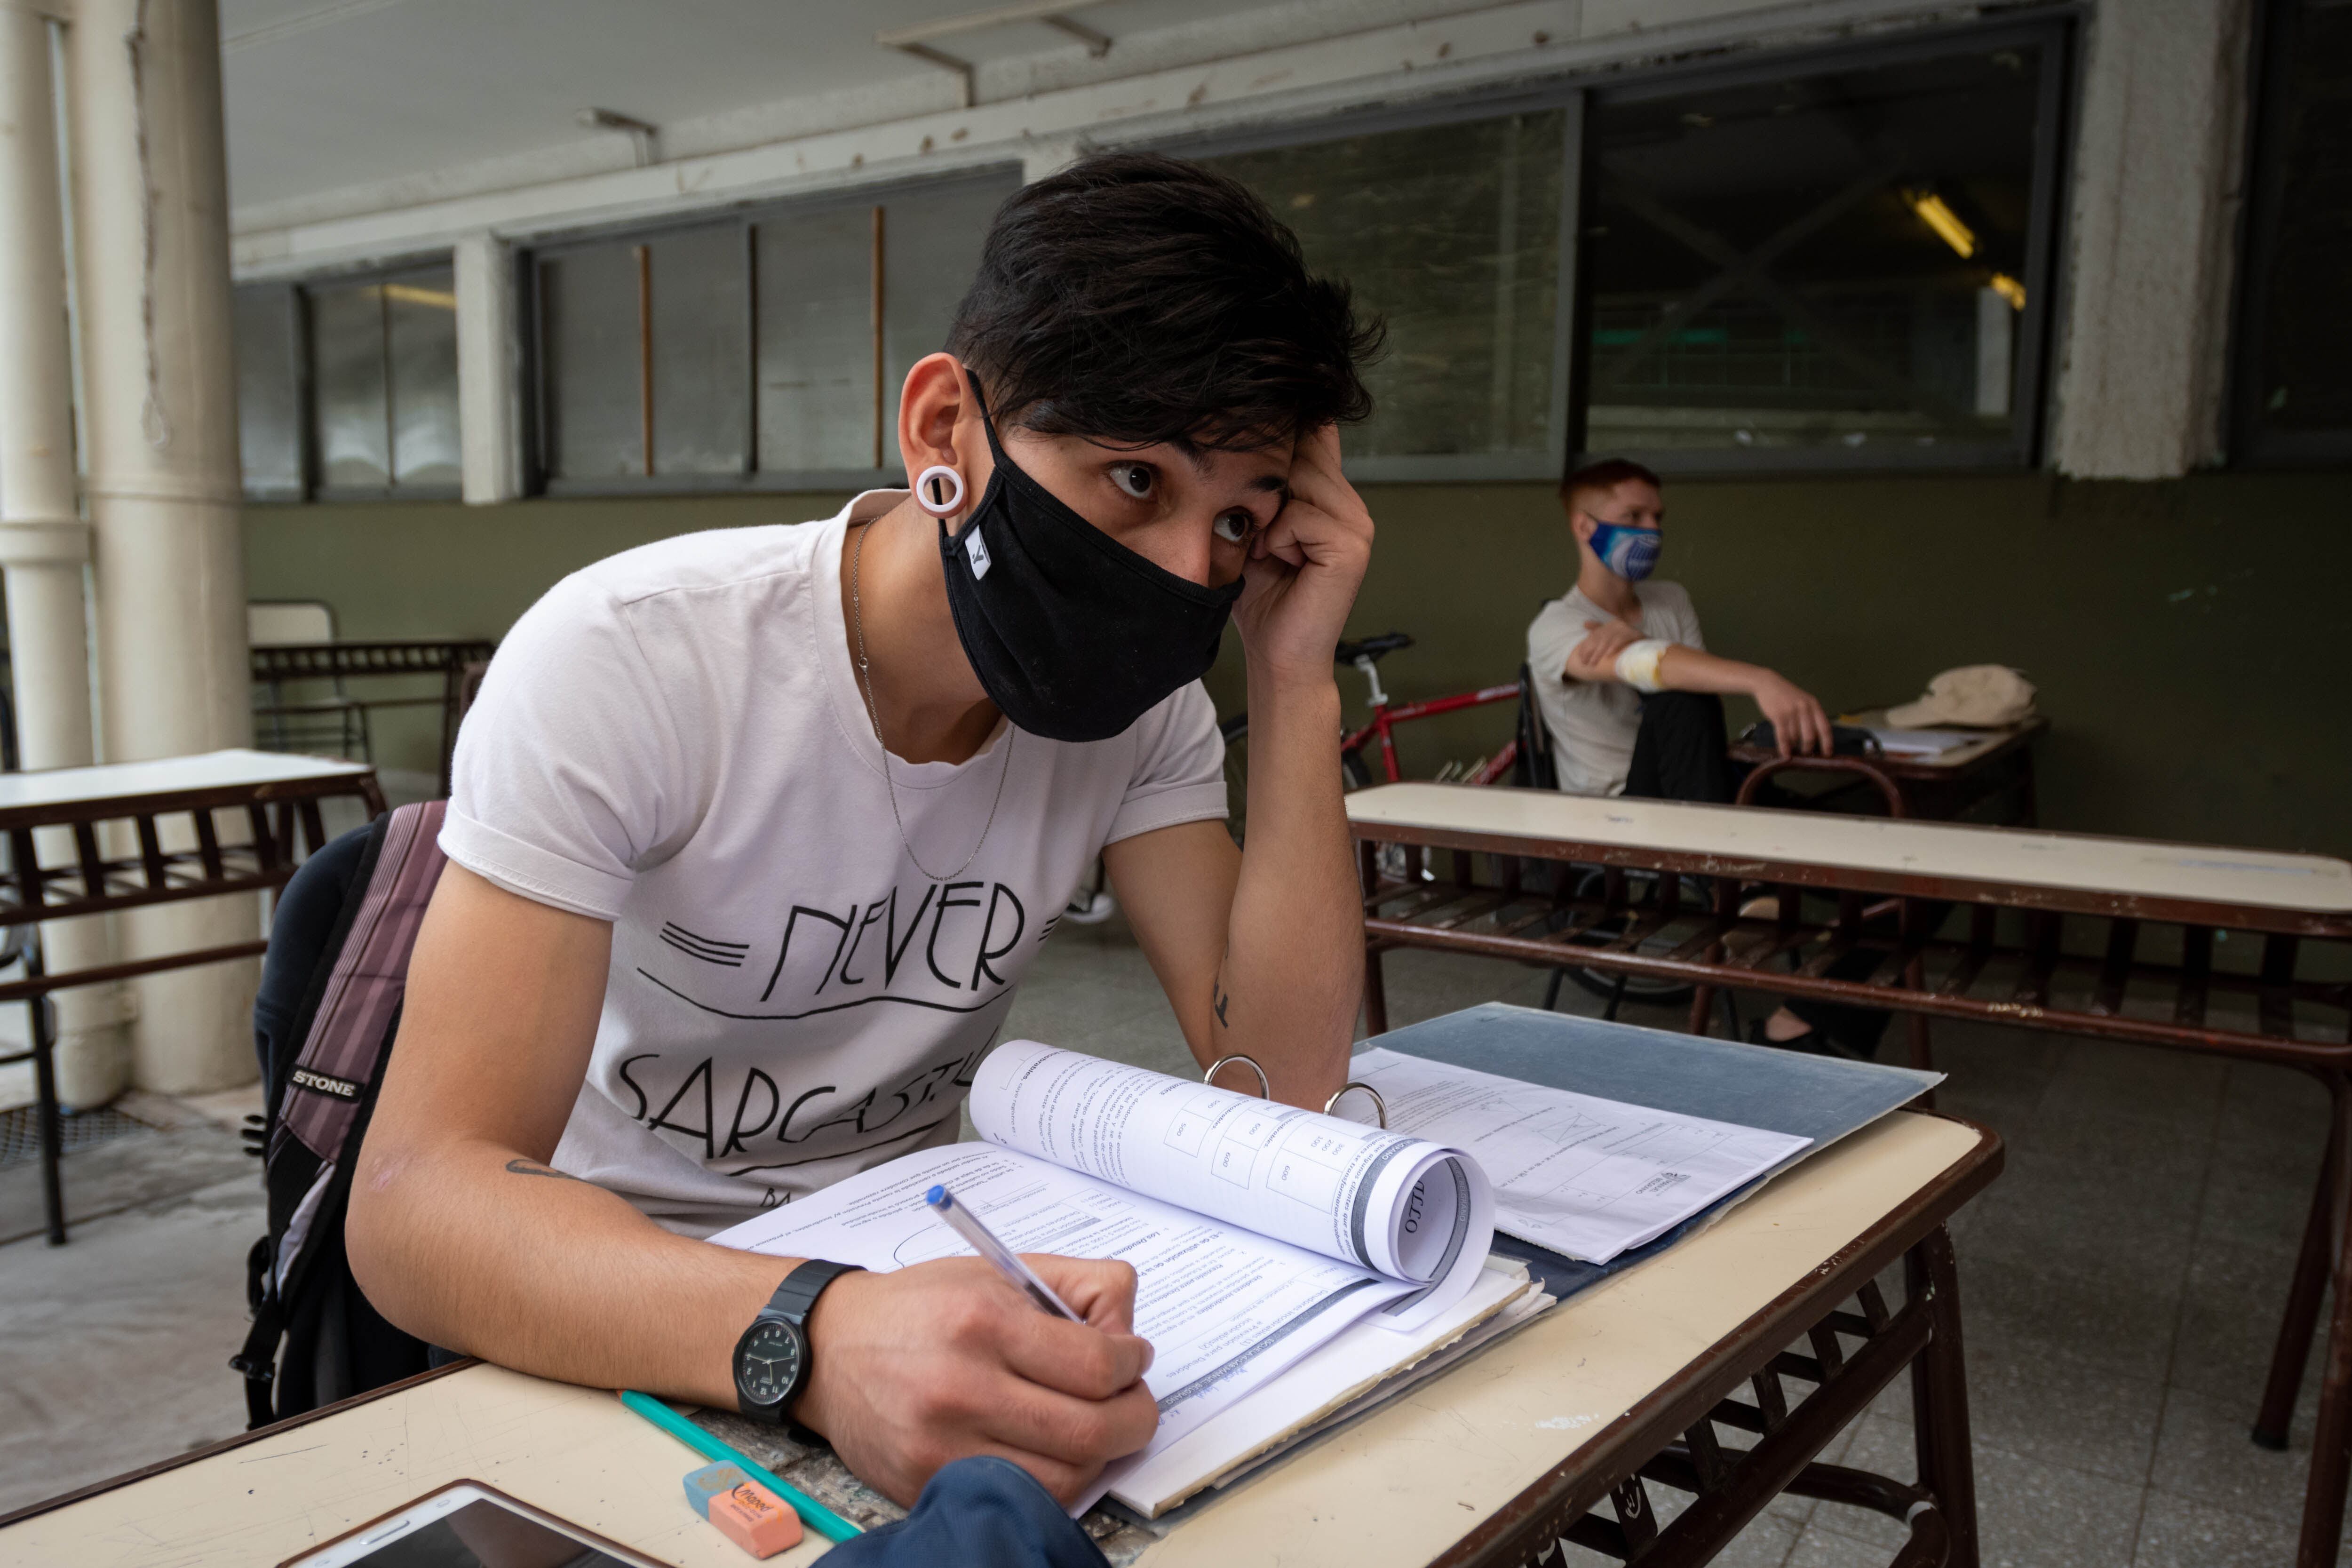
[
  {"x": 918, "y": 1367},
  {"x": 967, "y": 1224}
]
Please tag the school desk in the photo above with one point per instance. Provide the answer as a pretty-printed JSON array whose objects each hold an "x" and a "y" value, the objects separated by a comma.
[
  {"x": 1632, "y": 1384},
  {"x": 2236, "y": 952},
  {"x": 1993, "y": 769},
  {"x": 86, "y": 822}
]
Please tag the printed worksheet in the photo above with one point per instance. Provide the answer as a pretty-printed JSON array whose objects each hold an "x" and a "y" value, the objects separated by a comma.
[
  {"x": 1406, "y": 1206},
  {"x": 1590, "y": 1178},
  {"x": 1224, "y": 1308}
]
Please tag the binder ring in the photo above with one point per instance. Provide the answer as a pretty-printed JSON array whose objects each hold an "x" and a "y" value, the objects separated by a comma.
[
  {"x": 1380, "y": 1106},
  {"x": 1265, "y": 1089},
  {"x": 927, "y": 484},
  {"x": 1264, "y": 1086}
]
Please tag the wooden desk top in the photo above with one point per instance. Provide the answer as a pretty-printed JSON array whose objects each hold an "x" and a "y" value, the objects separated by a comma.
[
  {"x": 207, "y": 770},
  {"x": 1959, "y": 853},
  {"x": 1573, "y": 1392}
]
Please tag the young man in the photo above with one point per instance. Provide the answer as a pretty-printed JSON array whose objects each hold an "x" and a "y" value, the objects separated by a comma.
[
  {"x": 1606, "y": 655},
  {"x": 755, "y": 832},
  {"x": 1632, "y": 700}
]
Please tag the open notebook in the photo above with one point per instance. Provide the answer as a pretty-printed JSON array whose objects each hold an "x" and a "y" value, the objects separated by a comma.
[{"x": 1267, "y": 1238}]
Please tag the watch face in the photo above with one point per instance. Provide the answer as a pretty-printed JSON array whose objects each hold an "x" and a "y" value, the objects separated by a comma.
[{"x": 768, "y": 1361}]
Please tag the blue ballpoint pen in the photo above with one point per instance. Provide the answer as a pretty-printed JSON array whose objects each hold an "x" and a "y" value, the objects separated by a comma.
[{"x": 966, "y": 1223}]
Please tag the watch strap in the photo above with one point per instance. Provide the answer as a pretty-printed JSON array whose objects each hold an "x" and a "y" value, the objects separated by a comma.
[{"x": 796, "y": 1297}]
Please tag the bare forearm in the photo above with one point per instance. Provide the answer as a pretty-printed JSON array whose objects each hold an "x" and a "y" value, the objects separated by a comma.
[
  {"x": 1293, "y": 973},
  {"x": 480, "y": 1249},
  {"x": 1684, "y": 668}
]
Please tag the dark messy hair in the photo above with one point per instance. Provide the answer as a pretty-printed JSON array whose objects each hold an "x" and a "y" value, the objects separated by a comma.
[
  {"x": 1605, "y": 475},
  {"x": 1135, "y": 298}
]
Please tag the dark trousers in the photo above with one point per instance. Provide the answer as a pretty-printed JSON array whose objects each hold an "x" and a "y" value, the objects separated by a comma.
[{"x": 1683, "y": 752}]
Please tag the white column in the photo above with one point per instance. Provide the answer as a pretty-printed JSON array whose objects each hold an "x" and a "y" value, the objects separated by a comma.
[
  {"x": 2155, "y": 193},
  {"x": 151, "y": 229},
  {"x": 44, "y": 544},
  {"x": 490, "y": 400}
]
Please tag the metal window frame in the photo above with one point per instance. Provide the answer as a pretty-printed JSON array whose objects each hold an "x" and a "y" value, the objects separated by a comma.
[
  {"x": 539, "y": 479},
  {"x": 2052, "y": 31},
  {"x": 2057, "y": 90},
  {"x": 298, "y": 370},
  {"x": 315, "y": 488},
  {"x": 1567, "y": 93},
  {"x": 2251, "y": 446}
]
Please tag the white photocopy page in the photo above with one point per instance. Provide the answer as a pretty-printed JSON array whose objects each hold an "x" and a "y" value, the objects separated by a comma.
[
  {"x": 1225, "y": 1310},
  {"x": 1410, "y": 1208},
  {"x": 1590, "y": 1178}
]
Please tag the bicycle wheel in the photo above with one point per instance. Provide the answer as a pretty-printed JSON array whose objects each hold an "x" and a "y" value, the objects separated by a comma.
[{"x": 1644, "y": 988}]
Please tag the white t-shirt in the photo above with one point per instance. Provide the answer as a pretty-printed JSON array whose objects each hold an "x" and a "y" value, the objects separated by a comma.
[
  {"x": 1593, "y": 723},
  {"x": 673, "y": 740}
]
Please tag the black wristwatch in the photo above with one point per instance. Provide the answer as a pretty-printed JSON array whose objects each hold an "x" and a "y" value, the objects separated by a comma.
[{"x": 772, "y": 1359}]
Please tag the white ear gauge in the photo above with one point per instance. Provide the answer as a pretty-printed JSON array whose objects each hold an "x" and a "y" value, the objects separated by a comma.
[{"x": 939, "y": 490}]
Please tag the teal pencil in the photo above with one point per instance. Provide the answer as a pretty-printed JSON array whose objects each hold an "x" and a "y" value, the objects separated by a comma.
[{"x": 815, "y": 1514}]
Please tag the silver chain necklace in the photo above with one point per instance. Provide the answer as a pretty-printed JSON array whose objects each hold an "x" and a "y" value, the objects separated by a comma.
[{"x": 872, "y": 717}]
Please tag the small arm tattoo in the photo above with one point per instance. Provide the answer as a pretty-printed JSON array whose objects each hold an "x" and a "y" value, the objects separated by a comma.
[
  {"x": 526, "y": 1168},
  {"x": 1219, "y": 997}
]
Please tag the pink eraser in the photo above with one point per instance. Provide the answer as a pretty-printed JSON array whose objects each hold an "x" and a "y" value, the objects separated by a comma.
[{"x": 754, "y": 1519}]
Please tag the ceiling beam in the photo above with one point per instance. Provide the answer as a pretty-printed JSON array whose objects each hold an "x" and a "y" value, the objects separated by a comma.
[{"x": 975, "y": 21}]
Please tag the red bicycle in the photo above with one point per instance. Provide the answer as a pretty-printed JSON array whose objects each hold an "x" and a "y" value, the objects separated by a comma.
[
  {"x": 1356, "y": 770},
  {"x": 1381, "y": 728}
]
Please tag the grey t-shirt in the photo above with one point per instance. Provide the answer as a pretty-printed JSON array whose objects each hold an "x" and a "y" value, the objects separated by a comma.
[{"x": 1593, "y": 723}]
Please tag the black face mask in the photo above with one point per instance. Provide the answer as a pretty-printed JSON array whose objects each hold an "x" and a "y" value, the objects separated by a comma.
[{"x": 1072, "y": 634}]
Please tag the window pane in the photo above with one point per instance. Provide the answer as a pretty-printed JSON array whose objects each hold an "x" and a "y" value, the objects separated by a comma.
[
  {"x": 421, "y": 318},
  {"x": 347, "y": 368},
  {"x": 588, "y": 312},
  {"x": 2297, "y": 386},
  {"x": 1833, "y": 261},
  {"x": 1450, "y": 231},
  {"x": 268, "y": 402},
  {"x": 931, "y": 241},
  {"x": 702, "y": 352},
  {"x": 817, "y": 339}
]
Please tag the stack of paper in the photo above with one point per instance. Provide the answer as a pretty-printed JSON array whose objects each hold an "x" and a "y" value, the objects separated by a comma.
[
  {"x": 1923, "y": 744},
  {"x": 1587, "y": 1178},
  {"x": 1259, "y": 1233}
]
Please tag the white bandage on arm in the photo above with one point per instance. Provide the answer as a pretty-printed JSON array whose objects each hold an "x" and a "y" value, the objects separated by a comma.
[{"x": 1637, "y": 667}]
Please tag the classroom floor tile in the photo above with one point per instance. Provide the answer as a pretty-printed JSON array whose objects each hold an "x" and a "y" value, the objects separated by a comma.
[{"x": 2120, "y": 1283}]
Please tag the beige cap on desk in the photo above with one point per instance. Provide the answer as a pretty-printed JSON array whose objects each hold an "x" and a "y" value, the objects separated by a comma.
[{"x": 1986, "y": 695}]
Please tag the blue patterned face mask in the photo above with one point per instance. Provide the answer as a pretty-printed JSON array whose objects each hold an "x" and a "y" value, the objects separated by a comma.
[{"x": 1631, "y": 552}]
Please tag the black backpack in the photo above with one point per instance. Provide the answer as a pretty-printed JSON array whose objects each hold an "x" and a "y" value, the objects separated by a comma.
[{"x": 323, "y": 1021}]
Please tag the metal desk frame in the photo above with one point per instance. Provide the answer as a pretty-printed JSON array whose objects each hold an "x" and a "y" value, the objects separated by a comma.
[
  {"x": 1943, "y": 789},
  {"x": 451, "y": 660},
  {"x": 1984, "y": 975},
  {"x": 1597, "y": 1496},
  {"x": 1669, "y": 1439},
  {"x": 286, "y": 824}
]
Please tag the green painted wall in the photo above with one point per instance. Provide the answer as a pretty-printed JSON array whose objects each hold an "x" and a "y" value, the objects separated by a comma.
[{"x": 2189, "y": 638}]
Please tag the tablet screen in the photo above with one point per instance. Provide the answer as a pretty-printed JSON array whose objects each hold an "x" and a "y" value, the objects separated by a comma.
[{"x": 465, "y": 1526}]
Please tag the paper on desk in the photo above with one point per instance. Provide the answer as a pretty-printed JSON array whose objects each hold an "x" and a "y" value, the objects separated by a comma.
[
  {"x": 1408, "y": 1207},
  {"x": 1225, "y": 1310},
  {"x": 1922, "y": 743},
  {"x": 1587, "y": 1177},
  {"x": 1358, "y": 1368}
]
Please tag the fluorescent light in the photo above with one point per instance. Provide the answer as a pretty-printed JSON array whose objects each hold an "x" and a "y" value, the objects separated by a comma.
[
  {"x": 1943, "y": 220},
  {"x": 2009, "y": 288},
  {"x": 413, "y": 295}
]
